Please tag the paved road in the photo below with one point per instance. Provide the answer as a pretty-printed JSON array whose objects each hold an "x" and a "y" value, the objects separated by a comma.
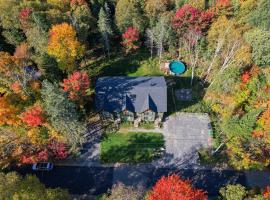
[
  {"x": 97, "y": 180},
  {"x": 78, "y": 180}
]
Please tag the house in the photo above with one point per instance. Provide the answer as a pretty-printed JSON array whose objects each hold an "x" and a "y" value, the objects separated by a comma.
[{"x": 133, "y": 99}]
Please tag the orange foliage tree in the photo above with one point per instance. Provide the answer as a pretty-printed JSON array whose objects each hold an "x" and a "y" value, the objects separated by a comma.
[
  {"x": 174, "y": 188},
  {"x": 8, "y": 113},
  {"x": 64, "y": 46}
]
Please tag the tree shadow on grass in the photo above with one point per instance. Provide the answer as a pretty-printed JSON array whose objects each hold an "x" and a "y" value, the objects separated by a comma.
[
  {"x": 117, "y": 65},
  {"x": 138, "y": 148},
  {"x": 196, "y": 103}
]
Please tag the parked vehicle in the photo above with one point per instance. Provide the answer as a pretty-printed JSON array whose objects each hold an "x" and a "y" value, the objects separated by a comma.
[{"x": 43, "y": 166}]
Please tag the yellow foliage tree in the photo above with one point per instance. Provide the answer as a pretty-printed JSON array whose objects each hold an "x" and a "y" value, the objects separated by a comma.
[
  {"x": 61, "y": 4},
  {"x": 64, "y": 46},
  {"x": 8, "y": 113}
]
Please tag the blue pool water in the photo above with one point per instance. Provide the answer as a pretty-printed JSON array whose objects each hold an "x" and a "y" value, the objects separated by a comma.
[{"x": 177, "y": 67}]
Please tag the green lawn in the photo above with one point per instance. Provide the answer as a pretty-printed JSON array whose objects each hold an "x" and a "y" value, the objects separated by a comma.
[
  {"x": 136, "y": 64},
  {"x": 132, "y": 147}
]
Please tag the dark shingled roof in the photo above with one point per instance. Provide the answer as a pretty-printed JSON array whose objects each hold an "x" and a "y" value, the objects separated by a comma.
[{"x": 136, "y": 94}]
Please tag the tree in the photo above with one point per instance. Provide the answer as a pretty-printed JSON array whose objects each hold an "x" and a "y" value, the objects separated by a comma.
[
  {"x": 260, "y": 17},
  {"x": 121, "y": 192},
  {"x": 63, "y": 5},
  {"x": 258, "y": 40},
  {"x": 62, "y": 114},
  {"x": 223, "y": 7},
  {"x": 59, "y": 149},
  {"x": 8, "y": 66},
  {"x": 162, "y": 32},
  {"x": 37, "y": 39},
  {"x": 9, "y": 15},
  {"x": 233, "y": 192},
  {"x": 76, "y": 85},
  {"x": 64, "y": 46},
  {"x": 225, "y": 40},
  {"x": 82, "y": 19},
  {"x": 150, "y": 40},
  {"x": 9, "y": 113},
  {"x": 155, "y": 8},
  {"x": 13, "y": 186},
  {"x": 191, "y": 19},
  {"x": 129, "y": 13},
  {"x": 104, "y": 25},
  {"x": 130, "y": 39},
  {"x": 173, "y": 187},
  {"x": 33, "y": 116},
  {"x": 24, "y": 17},
  {"x": 192, "y": 49},
  {"x": 266, "y": 192}
]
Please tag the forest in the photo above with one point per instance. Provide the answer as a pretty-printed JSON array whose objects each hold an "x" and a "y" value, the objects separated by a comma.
[{"x": 52, "y": 51}]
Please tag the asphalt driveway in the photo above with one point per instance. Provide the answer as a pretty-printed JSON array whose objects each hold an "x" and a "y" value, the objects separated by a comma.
[{"x": 185, "y": 134}]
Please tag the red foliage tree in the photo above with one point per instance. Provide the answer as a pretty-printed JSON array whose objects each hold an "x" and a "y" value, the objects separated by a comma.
[
  {"x": 245, "y": 77},
  {"x": 188, "y": 18},
  {"x": 43, "y": 155},
  {"x": 76, "y": 85},
  {"x": 266, "y": 192},
  {"x": 174, "y": 188},
  {"x": 58, "y": 149},
  {"x": 40, "y": 156},
  {"x": 33, "y": 116},
  {"x": 24, "y": 17},
  {"x": 130, "y": 39}
]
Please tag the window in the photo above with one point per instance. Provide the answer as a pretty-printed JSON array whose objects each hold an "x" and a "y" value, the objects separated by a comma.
[
  {"x": 127, "y": 116},
  {"x": 149, "y": 116}
]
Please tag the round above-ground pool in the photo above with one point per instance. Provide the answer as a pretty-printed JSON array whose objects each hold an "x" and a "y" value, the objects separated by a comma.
[{"x": 177, "y": 67}]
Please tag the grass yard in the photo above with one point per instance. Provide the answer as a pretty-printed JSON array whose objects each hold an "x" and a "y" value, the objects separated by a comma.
[
  {"x": 132, "y": 147},
  {"x": 137, "y": 64}
]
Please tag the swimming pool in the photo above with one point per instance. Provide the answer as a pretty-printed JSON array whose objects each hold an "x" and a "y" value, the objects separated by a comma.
[{"x": 177, "y": 67}]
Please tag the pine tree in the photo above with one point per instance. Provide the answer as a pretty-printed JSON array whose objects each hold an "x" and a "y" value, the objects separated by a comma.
[
  {"x": 62, "y": 114},
  {"x": 104, "y": 26}
]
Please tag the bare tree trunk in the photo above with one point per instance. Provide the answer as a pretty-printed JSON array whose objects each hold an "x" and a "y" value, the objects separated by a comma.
[
  {"x": 229, "y": 58},
  {"x": 218, "y": 48}
]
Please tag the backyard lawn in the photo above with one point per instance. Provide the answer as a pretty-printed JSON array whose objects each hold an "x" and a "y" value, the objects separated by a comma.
[
  {"x": 132, "y": 147},
  {"x": 138, "y": 64}
]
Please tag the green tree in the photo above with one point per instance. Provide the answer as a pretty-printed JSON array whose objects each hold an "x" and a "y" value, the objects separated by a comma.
[
  {"x": 155, "y": 8},
  {"x": 9, "y": 20},
  {"x": 62, "y": 114},
  {"x": 104, "y": 25},
  {"x": 13, "y": 187},
  {"x": 259, "y": 41},
  {"x": 121, "y": 192},
  {"x": 233, "y": 192},
  {"x": 260, "y": 17},
  {"x": 37, "y": 39},
  {"x": 163, "y": 33},
  {"x": 83, "y": 21},
  {"x": 129, "y": 13}
]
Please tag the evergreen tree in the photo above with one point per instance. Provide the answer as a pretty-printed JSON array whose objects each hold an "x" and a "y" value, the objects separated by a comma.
[
  {"x": 129, "y": 13},
  {"x": 104, "y": 25},
  {"x": 62, "y": 114}
]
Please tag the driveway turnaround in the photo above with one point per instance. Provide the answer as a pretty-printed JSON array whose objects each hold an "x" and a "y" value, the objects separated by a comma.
[{"x": 185, "y": 134}]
